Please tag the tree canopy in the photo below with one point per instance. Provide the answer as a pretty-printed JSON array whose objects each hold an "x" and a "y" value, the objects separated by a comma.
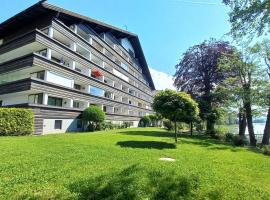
[
  {"x": 93, "y": 115},
  {"x": 175, "y": 106},
  {"x": 248, "y": 17},
  {"x": 198, "y": 74}
]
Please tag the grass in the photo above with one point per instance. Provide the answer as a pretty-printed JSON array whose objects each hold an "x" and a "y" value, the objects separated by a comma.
[{"x": 124, "y": 164}]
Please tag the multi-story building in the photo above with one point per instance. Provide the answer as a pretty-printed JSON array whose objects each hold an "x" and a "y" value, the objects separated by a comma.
[{"x": 57, "y": 63}]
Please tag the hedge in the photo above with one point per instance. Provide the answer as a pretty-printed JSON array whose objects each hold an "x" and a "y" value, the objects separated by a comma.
[{"x": 16, "y": 121}]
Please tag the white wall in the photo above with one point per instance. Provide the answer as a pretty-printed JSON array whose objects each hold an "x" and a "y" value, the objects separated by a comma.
[
  {"x": 120, "y": 75},
  {"x": 68, "y": 125},
  {"x": 58, "y": 79},
  {"x": 127, "y": 45}
]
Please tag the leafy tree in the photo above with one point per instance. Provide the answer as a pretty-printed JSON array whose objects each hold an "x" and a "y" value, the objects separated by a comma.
[
  {"x": 94, "y": 116},
  {"x": 145, "y": 121},
  {"x": 248, "y": 17},
  {"x": 198, "y": 74},
  {"x": 263, "y": 49},
  {"x": 155, "y": 119},
  {"x": 245, "y": 84},
  {"x": 175, "y": 106}
]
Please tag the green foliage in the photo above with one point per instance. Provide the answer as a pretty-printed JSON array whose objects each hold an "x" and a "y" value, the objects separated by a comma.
[
  {"x": 94, "y": 116},
  {"x": 168, "y": 124},
  {"x": 229, "y": 137},
  {"x": 175, "y": 106},
  {"x": 248, "y": 18},
  {"x": 145, "y": 121},
  {"x": 32, "y": 167},
  {"x": 239, "y": 140},
  {"x": 266, "y": 150},
  {"x": 110, "y": 126},
  {"x": 16, "y": 121}
]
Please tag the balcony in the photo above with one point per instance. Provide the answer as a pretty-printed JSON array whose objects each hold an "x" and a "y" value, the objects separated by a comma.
[
  {"x": 98, "y": 46},
  {"x": 80, "y": 104},
  {"x": 97, "y": 91},
  {"x": 82, "y": 51},
  {"x": 97, "y": 74},
  {"x": 64, "y": 40},
  {"x": 118, "y": 85},
  {"x": 60, "y": 59},
  {"x": 108, "y": 95},
  {"x": 108, "y": 67},
  {"x": 108, "y": 81},
  {"x": 125, "y": 88},
  {"x": 96, "y": 60},
  {"x": 108, "y": 109}
]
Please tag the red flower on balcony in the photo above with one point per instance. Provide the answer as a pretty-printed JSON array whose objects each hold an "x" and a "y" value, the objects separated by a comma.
[{"x": 97, "y": 73}]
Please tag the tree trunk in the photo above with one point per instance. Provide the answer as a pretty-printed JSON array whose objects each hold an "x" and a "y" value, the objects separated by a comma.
[
  {"x": 175, "y": 131},
  {"x": 210, "y": 126},
  {"x": 266, "y": 133},
  {"x": 191, "y": 128},
  {"x": 248, "y": 111},
  {"x": 242, "y": 122}
]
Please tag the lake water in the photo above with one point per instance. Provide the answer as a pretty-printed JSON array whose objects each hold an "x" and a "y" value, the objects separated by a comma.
[{"x": 258, "y": 130}]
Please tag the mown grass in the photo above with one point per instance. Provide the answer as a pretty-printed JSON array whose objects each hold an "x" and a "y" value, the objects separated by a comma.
[{"x": 124, "y": 164}]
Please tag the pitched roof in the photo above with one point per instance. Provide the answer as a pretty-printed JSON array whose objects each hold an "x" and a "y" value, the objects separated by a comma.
[{"x": 43, "y": 7}]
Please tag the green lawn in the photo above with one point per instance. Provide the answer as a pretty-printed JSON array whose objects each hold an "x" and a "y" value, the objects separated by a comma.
[{"x": 124, "y": 164}]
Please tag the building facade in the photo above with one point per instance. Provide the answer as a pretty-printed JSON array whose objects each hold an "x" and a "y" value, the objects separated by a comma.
[{"x": 57, "y": 63}]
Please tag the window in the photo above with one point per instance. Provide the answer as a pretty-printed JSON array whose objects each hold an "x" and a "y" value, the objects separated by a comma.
[
  {"x": 1, "y": 103},
  {"x": 43, "y": 52},
  {"x": 76, "y": 104},
  {"x": 77, "y": 87},
  {"x": 35, "y": 98},
  {"x": 58, "y": 124},
  {"x": 96, "y": 91},
  {"x": 39, "y": 75},
  {"x": 124, "y": 66},
  {"x": 79, "y": 123},
  {"x": 53, "y": 101}
]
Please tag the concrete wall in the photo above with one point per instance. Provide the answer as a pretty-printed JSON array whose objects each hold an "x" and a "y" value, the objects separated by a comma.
[{"x": 68, "y": 125}]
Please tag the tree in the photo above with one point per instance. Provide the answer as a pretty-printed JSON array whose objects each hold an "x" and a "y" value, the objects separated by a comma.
[
  {"x": 245, "y": 82},
  {"x": 145, "y": 121},
  {"x": 263, "y": 49},
  {"x": 155, "y": 119},
  {"x": 248, "y": 17},
  {"x": 93, "y": 115},
  {"x": 198, "y": 74},
  {"x": 175, "y": 106}
]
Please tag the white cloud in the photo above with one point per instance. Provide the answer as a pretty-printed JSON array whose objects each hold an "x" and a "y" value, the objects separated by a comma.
[{"x": 162, "y": 80}]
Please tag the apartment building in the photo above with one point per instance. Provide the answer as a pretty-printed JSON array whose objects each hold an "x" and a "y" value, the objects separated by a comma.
[{"x": 57, "y": 63}]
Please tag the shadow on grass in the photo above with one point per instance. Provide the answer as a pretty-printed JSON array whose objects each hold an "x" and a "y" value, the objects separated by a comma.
[
  {"x": 212, "y": 144},
  {"x": 146, "y": 144},
  {"x": 149, "y": 133},
  {"x": 137, "y": 183}
]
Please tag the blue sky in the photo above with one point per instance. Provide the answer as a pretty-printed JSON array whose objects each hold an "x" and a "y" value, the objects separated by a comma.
[{"x": 166, "y": 28}]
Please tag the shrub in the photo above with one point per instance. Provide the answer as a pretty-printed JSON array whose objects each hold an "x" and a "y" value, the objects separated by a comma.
[
  {"x": 229, "y": 137},
  {"x": 16, "y": 121},
  {"x": 168, "y": 124},
  {"x": 266, "y": 150},
  {"x": 145, "y": 121},
  {"x": 239, "y": 140},
  {"x": 94, "y": 116},
  {"x": 219, "y": 133}
]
